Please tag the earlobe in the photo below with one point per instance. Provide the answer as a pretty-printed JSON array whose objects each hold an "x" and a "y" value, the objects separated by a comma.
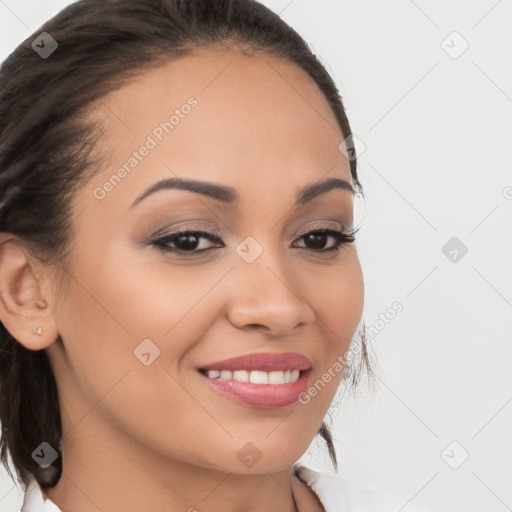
[{"x": 24, "y": 310}]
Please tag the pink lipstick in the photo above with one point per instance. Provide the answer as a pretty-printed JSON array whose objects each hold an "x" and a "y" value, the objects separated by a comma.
[{"x": 264, "y": 381}]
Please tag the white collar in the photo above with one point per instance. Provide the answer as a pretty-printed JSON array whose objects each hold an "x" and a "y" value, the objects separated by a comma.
[{"x": 338, "y": 493}]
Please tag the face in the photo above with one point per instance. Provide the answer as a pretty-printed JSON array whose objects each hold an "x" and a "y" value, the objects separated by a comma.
[{"x": 143, "y": 311}]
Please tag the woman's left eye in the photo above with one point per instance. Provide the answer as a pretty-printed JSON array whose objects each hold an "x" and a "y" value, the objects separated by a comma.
[
  {"x": 187, "y": 242},
  {"x": 319, "y": 236}
]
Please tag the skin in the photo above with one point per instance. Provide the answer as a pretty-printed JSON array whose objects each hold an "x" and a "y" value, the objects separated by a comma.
[{"x": 156, "y": 437}]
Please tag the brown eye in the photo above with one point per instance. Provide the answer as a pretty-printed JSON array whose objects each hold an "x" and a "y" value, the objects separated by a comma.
[
  {"x": 317, "y": 239},
  {"x": 185, "y": 241}
]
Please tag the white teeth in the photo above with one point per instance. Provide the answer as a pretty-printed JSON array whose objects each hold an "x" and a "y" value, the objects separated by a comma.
[
  {"x": 241, "y": 375},
  {"x": 257, "y": 376},
  {"x": 276, "y": 377}
]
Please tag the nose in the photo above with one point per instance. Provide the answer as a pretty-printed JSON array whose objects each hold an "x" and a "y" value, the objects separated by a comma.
[{"x": 267, "y": 297}]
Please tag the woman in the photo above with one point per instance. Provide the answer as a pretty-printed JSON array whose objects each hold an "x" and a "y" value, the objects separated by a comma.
[{"x": 180, "y": 280}]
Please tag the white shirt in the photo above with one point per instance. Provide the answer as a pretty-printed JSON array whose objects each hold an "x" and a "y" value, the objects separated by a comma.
[{"x": 336, "y": 493}]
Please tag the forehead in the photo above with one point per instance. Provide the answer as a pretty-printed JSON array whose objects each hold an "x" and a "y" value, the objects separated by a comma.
[{"x": 254, "y": 118}]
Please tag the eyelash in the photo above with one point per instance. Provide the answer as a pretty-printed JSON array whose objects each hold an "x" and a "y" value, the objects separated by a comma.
[{"x": 342, "y": 237}]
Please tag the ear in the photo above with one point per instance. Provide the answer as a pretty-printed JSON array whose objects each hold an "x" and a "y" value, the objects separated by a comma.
[{"x": 24, "y": 304}]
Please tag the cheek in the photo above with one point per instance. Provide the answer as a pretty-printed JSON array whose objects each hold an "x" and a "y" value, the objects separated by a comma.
[
  {"x": 103, "y": 321},
  {"x": 113, "y": 304},
  {"x": 338, "y": 301},
  {"x": 337, "y": 295}
]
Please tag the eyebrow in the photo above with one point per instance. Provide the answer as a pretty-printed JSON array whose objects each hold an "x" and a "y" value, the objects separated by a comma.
[{"x": 230, "y": 195}]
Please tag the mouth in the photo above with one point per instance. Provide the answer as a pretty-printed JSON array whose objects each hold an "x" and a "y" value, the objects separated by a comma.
[
  {"x": 261, "y": 380},
  {"x": 258, "y": 389}
]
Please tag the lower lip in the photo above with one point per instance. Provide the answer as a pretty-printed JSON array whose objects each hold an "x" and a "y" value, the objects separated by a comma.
[{"x": 261, "y": 396}]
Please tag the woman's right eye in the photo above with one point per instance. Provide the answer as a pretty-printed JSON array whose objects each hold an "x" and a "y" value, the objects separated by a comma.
[{"x": 185, "y": 242}]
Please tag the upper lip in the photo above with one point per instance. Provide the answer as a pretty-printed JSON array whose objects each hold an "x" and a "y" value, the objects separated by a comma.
[{"x": 265, "y": 362}]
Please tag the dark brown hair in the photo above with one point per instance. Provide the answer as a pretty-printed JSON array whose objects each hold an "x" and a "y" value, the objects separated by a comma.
[{"x": 47, "y": 154}]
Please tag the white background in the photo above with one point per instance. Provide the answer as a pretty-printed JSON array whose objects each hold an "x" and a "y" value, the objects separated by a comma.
[{"x": 437, "y": 131}]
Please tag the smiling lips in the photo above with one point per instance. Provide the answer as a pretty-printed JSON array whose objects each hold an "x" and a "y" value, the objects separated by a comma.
[
  {"x": 260, "y": 380},
  {"x": 259, "y": 368}
]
